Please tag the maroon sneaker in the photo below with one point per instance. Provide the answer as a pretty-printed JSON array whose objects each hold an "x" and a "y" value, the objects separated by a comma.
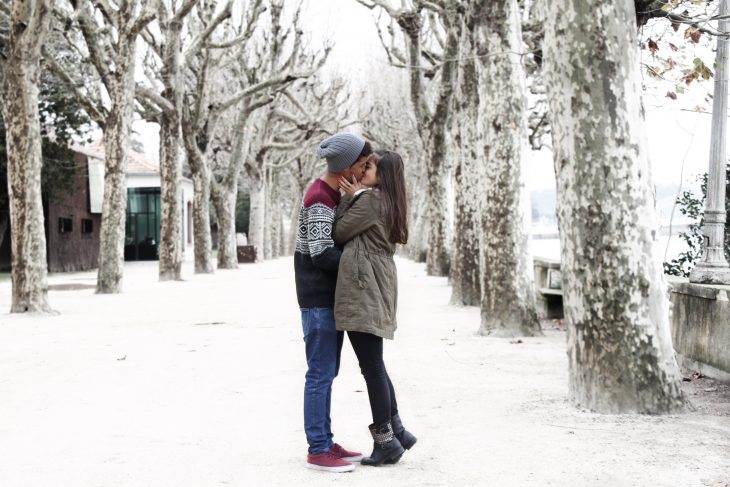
[
  {"x": 328, "y": 462},
  {"x": 347, "y": 455}
]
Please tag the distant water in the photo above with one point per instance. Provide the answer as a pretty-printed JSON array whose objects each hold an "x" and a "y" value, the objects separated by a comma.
[{"x": 549, "y": 248}]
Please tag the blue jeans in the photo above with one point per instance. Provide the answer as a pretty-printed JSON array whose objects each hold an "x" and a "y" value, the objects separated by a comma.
[{"x": 323, "y": 344}]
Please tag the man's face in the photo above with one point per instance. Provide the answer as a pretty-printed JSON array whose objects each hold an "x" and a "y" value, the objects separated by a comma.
[{"x": 356, "y": 169}]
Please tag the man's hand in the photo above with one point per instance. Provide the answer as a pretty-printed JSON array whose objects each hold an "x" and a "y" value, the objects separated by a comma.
[{"x": 351, "y": 186}]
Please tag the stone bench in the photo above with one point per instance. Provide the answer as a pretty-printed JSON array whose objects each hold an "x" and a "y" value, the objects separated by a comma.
[
  {"x": 548, "y": 284},
  {"x": 701, "y": 326},
  {"x": 246, "y": 254}
]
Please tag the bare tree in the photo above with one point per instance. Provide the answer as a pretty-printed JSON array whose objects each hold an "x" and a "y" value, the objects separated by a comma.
[
  {"x": 258, "y": 71},
  {"x": 418, "y": 19},
  {"x": 20, "y": 54},
  {"x": 279, "y": 59},
  {"x": 202, "y": 111},
  {"x": 108, "y": 33},
  {"x": 465, "y": 251},
  {"x": 614, "y": 294},
  {"x": 163, "y": 104},
  {"x": 508, "y": 300}
]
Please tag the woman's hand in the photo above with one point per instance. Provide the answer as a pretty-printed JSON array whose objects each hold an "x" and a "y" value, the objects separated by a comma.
[{"x": 350, "y": 187}]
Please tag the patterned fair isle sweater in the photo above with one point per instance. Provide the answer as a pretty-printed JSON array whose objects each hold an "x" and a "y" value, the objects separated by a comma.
[{"x": 316, "y": 258}]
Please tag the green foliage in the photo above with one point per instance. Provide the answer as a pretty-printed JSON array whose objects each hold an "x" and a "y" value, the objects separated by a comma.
[
  {"x": 61, "y": 120},
  {"x": 693, "y": 206}
]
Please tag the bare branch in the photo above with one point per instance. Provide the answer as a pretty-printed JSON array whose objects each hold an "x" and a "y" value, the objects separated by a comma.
[
  {"x": 97, "y": 55},
  {"x": 225, "y": 45},
  {"x": 147, "y": 15},
  {"x": 251, "y": 90},
  {"x": 107, "y": 12},
  {"x": 435, "y": 5},
  {"x": 149, "y": 38},
  {"x": 148, "y": 111},
  {"x": 282, "y": 146},
  {"x": 200, "y": 40},
  {"x": 96, "y": 113},
  {"x": 184, "y": 10},
  {"x": 384, "y": 4},
  {"x": 149, "y": 95}
]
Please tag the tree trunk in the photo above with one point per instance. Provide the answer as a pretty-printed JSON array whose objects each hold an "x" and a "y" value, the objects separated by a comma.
[
  {"x": 614, "y": 294},
  {"x": 20, "y": 77},
  {"x": 437, "y": 260},
  {"x": 116, "y": 148},
  {"x": 224, "y": 202},
  {"x": 433, "y": 128},
  {"x": 268, "y": 220},
  {"x": 418, "y": 223},
  {"x": 465, "y": 285},
  {"x": 273, "y": 212},
  {"x": 257, "y": 217},
  {"x": 201, "y": 222},
  {"x": 508, "y": 297},
  {"x": 171, "y": 254}
]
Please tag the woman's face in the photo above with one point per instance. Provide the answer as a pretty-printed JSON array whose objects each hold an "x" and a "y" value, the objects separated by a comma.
[{"x": 370, "y": 175}]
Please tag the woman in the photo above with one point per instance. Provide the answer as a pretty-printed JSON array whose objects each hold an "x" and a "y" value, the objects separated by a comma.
[{"x": 371, "y": 219}]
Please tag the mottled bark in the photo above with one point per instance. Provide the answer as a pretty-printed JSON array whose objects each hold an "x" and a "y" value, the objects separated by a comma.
[
  {"x": 614, "y": 294},
  {"x": 465, "y": 265},
  {"x": 19, "y": 77},
  {"x": 116, "y": 148},
  {"x": 257, "y": 217},
  {"x": 113, "y": 57},
  {"x": 202, "y": 240},
  {"x": 508, "y": 298},
  {"x": 273, "y": 220},
  {"x": 224, "y": 202},
  {"x": 433, "y": 124},
  {"x": 171, "y": 252},
  {"x": 437, "y": 260},
  {"x": 418, "y": 226}
]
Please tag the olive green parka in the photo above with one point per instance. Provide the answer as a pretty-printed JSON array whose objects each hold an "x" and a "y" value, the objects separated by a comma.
[{"x": 366, "y": 296}]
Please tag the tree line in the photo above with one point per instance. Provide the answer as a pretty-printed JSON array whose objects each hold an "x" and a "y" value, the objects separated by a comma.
[{"x": 240, "y": 98}]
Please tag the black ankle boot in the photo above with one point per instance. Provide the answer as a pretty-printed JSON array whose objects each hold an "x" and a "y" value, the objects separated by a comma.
[
  {"x": 385, "y": 445},
  {"x": 405, "y": 437}
]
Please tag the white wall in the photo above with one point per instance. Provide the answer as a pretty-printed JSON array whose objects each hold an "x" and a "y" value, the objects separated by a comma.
[{"x": 152, "y": 180}]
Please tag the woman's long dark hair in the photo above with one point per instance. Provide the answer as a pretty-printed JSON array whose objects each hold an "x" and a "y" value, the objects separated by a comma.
[{"x": 394, "y": 204}]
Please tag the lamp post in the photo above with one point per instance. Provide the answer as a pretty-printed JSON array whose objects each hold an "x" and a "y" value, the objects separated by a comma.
[{"x": 714, "y": 268}]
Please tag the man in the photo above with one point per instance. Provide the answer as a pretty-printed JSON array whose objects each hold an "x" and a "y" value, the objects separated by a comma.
[{"x": 316, "y": 260}]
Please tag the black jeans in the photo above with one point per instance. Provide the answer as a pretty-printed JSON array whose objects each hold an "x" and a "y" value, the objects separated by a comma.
[{"x": 369, "y": 351}]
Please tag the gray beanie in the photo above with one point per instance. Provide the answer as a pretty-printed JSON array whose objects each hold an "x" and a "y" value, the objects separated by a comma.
[{"x": 341, "y": 150}]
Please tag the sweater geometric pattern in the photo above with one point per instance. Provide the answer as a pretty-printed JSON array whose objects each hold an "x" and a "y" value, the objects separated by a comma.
[
  {"x": 317, "y": 258},
  {"x": 314, "y": 233}
]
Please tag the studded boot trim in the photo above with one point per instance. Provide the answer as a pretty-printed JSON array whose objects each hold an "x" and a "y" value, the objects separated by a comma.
[{"x": 382, "y": 434}]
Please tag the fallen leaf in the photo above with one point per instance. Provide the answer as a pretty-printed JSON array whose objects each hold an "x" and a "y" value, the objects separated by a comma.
[
  {"x": 653, "y": 46},
  {"x": 672, "y": 95}
]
